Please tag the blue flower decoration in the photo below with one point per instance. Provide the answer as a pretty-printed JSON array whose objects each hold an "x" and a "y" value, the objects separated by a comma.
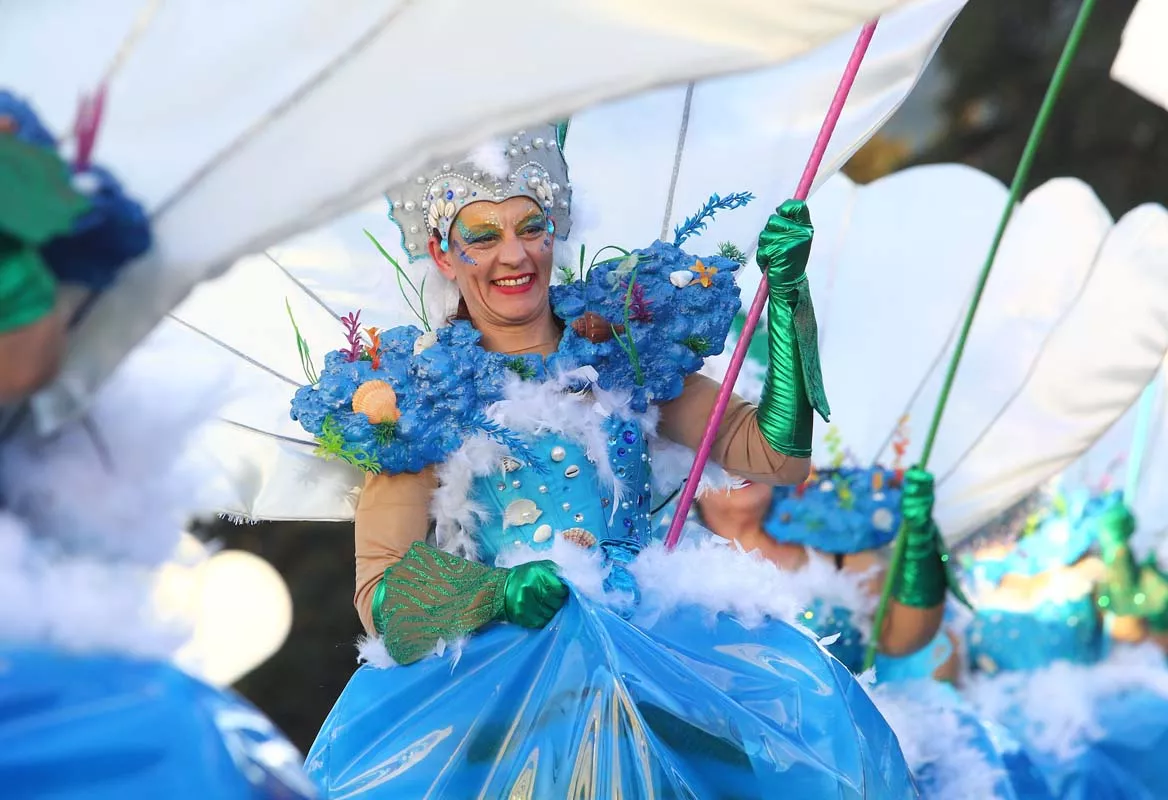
[{"x": 442, "y": 392}]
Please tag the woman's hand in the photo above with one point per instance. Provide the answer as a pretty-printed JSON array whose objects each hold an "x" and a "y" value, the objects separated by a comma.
[
  {"x": 533, "y": 594},
  {"x": 785, "y": 244},
  {"x": 917, "y": 497}
]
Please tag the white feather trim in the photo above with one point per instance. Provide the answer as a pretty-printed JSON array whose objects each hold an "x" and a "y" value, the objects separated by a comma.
[
  {"x": 931, "y": 736},
  {"x": 95, "y": 510},
  {"x": 78, "y": 603},
  {"x": 583, "y": 568},
  {"x": 371, "y": 650},
  {"x": 125, "y": 481},
  {"x": 1057, "y": 703},
  {"x": 491, "y": 158},
  {"x": 531, "y": 408}
]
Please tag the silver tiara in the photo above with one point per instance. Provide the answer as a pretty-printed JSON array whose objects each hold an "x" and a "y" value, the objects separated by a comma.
[{"x": 529, "y": 164}]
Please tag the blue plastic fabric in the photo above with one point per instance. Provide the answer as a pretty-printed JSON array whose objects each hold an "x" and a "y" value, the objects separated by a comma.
[
  {"x": 113, "y": 728},
  {"x": 1125, "y": 762},
  {"x": 594, "y": 706}
]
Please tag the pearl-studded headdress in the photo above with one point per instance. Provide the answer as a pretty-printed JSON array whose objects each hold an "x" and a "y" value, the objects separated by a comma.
[{"x": 530, "y": 163}]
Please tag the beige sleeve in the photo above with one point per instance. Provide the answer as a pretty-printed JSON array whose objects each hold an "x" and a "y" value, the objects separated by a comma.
[
  {"x": 739, "y": 447},
  {"x": 392, "y": 514}
]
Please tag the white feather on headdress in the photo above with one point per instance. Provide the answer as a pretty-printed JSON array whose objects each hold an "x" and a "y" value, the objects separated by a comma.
[{"x": 491, "y": 157}]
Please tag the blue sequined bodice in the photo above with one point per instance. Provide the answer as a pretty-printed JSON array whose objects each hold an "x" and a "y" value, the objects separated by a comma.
[
  {"x": 1022, "y": 640},
  {"x": 564, "y": 495}
]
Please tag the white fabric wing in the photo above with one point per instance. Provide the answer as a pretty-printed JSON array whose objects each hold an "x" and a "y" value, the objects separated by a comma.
[
  {"x": 241, "y": 124},
  {"x": 621, "y": 160},
  {"x": 1095, "y": 364},
  {"x": 1072, "y": 325},
  {"x": 1140, "y": 64}
]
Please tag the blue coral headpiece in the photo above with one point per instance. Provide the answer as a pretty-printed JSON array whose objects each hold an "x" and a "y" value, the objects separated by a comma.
[{"x": 840, "y": 510}]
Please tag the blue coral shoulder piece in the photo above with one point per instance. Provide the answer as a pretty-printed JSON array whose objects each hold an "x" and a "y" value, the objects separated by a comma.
[{"x": 403, "y": 399}]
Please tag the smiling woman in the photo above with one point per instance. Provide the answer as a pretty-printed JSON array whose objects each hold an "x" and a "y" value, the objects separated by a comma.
[
  {"x": 500, "y": 256},
  {"x": 506, "y": 520}
]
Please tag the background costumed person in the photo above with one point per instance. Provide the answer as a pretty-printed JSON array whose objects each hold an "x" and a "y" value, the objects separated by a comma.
[
  {"x": 1053, "y": 648},
  {"x": 93, "y": 706}
]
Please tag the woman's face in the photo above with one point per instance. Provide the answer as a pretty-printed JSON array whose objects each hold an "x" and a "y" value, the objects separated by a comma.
[
  {"x": 734, "y": 513},
  {"x": 500, "y": 255}
]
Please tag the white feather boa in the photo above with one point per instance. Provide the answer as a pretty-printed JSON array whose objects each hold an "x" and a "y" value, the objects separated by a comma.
[{"x": 94, "y": 511}]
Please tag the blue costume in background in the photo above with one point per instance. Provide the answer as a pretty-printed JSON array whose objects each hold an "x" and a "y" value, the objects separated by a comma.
[{"x": 101, "y": 724}]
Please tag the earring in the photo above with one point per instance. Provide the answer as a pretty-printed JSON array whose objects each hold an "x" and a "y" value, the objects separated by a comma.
[{"x": 445, "y": 246}]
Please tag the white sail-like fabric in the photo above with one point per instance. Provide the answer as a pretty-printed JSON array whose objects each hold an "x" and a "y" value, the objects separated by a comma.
[
  {"x": 1072, "y": 326},
  {"x": 1141, "y": 64},
  {"x": 622, "y": 161},
  {"x": 240, "y": 124},
  {"x": 1092, "y": 367}
]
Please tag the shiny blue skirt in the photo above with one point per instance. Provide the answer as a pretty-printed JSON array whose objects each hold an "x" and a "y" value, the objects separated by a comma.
[
  {"x": 114, "y": 728},
  {"x": 691, "y": 705}
]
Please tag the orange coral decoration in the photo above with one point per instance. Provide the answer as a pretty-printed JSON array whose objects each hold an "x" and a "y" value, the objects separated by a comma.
[
  {"x": 372, "y": 349},
  {"x": 376, "y": 400},
  {"x": 900, "y": 442}
]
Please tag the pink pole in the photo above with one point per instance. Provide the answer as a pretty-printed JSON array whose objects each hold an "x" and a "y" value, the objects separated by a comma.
[{"x": 760, "y": 298}]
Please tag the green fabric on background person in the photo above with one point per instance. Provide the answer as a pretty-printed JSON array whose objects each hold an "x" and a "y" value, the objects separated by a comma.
[
  {"x": 37, "y": 204},
  {"x": 793, "y": 386},
  {"x": 1119, "y": 593},
  {"x": 926, "y": 572},
  {"x": 28, "y": 291},
  {"x": 431, "y": 595}
]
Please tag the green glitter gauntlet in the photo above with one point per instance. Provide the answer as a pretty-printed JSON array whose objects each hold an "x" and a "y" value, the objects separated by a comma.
[
  {"x": 793, "y": 387},
  {"x": 431, "y": 595},
  {"x": 925, "y": 572}
]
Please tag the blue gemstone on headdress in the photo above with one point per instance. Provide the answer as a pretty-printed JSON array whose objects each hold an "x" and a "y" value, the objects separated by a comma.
[
  {"x": 445, "y": 245},
  {"x": 630, "y": 437},
  {"x": 449, "y": 194}
]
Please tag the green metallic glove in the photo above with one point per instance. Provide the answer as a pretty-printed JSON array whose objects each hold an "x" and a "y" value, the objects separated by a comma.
[
  {"x": 793, "y": 386},
  {"x": 1120, "y": 592},
  {"x": 925, "y": 572},
  {"x": 533, "y": 593},
  {"x": 431, "y": 595}
]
